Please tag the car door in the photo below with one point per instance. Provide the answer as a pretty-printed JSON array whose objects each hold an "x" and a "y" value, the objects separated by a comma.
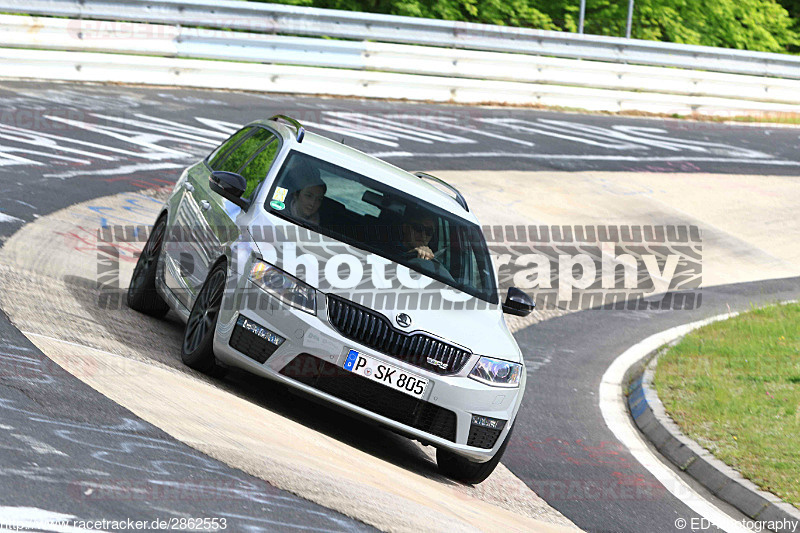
[
  {"x": 181, "y": 252},
  {"x": 217, "y": 219}
]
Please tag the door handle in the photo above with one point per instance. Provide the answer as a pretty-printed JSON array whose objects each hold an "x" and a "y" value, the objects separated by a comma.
[
  {"x": 205, "y": 204},
  {"x": 188, "y": 186}
]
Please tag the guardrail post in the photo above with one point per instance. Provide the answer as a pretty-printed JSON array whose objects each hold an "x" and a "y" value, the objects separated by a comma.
[{"x": 630, "y": 20}]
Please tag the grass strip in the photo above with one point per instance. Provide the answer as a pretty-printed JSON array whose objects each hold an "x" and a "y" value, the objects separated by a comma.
[{"x": 734, "y": 387}]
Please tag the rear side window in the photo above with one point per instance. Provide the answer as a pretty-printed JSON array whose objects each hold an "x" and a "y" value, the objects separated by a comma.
[
  {"x": 256, "y": 169},
  {"x": 218, "y": 156},
  {"x": 245, "y": 150}
]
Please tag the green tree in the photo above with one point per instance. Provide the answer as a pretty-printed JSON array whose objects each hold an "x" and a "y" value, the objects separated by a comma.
[
  {"x": 502, "y": 12},
  {"x": 764, "y": 25},
  {"x": 793, "y": 7},
  {"x": 746, "y": 24}
]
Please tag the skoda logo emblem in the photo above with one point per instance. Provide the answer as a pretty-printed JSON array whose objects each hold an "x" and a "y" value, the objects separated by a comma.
[{"x": 403, "y": 320}]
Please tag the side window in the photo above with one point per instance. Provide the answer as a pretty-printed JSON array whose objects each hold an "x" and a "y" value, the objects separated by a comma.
[
  {"x": 246, "y": 150},
  {"x": 218, "y": 155},
  {"x": 256, "y": 169}
]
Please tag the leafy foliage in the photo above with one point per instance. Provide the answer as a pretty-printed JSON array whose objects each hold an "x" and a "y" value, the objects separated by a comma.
[
  {"x": 793, "y": 7},
  {"x": 765, "y": 25}
]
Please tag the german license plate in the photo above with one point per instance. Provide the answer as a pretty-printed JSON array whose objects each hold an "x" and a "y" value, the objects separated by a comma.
[{"x": 388, "y": 375}]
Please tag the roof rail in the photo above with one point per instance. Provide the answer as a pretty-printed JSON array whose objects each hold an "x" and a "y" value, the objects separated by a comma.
[
  {"x": 301, "y": 131},
  {"x": 459, "y": 198}
]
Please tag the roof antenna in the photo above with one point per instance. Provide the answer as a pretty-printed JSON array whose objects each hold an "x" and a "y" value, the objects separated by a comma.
[{"x": 342, "y": 141}]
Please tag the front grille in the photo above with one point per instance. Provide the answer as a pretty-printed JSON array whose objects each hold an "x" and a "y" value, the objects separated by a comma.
[
  {"x": 482, "y": 437},
  {"x": 372, "y": 396},
  {"x": 374, "y": 330}
]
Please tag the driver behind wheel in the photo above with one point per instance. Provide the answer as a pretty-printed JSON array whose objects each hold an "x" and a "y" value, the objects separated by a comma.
[{"x": 418, "y": 231}]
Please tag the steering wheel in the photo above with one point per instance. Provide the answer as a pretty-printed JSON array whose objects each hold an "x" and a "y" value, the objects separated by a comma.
[{"x": 434, "y": 265}]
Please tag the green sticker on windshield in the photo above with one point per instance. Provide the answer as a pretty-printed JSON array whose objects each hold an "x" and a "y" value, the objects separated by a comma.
[{"x": 277, "y": 205}]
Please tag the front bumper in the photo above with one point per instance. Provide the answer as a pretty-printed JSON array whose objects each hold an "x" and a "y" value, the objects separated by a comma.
[{"x": 311, "y": 359}]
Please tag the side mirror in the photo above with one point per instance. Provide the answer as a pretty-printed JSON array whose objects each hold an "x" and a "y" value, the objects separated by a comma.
[
  {"x": 230, "y": 186},
  {"x": 518, "y": 303}
]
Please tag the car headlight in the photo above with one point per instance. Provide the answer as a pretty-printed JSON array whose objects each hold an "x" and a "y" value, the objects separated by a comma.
[
  {"x": 496, "y": 372},
  {"x": 284, "y": 287}
]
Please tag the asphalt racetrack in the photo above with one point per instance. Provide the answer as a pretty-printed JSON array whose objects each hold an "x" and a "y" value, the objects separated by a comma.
[{"x": 63, "y": 144}]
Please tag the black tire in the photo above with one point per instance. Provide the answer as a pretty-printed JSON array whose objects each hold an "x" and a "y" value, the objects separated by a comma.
[
  {"x": 462, "y": 469},
  {"x": 142, "y": 293},
  {"x": 197, "y": 349}
]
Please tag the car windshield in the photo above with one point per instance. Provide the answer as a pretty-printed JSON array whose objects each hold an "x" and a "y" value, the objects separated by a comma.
[{"x": 370, "y": 215}]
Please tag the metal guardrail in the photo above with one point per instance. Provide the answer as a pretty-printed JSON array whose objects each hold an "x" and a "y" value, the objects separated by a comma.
[
  {"x": 137, "y": 69},
  {"x": 171, "y": 41},
  {"x": 291, "y": 20}
]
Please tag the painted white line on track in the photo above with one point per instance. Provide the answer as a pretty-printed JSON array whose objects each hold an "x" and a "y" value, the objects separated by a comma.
[
  {"x": 126, "y": 169},
  {"x": 615, "y": 413},
  {"x": 445, "y": 122},
  {"x": 381, "y": 155},
  {"x": 38, "y": 446},
  {"x": 351, "y": 133},
  {"x": 9, "y": 218}
]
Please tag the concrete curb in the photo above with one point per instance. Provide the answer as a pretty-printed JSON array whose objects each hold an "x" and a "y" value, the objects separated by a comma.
[{"x": 723, "y": 481}]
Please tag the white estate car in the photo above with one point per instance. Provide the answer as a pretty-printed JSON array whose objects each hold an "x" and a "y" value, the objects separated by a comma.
[{"x": 308, "y": 262}]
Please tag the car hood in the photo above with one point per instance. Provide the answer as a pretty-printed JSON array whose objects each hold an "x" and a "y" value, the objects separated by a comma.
[{"x": 336, "y": 268}]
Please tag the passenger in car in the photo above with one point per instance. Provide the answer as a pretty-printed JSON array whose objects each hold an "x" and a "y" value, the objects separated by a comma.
[{"x": 305, "y": 201}]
